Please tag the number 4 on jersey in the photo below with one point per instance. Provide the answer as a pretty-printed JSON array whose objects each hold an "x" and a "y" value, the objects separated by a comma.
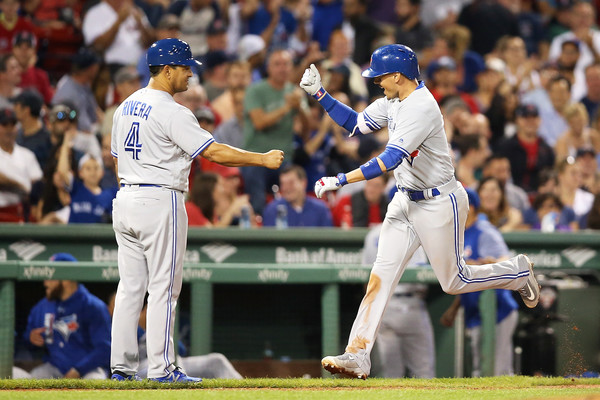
[{"x": 132, "y": 141}]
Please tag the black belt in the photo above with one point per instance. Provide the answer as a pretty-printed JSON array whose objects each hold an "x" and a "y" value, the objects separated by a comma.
[
  {"x": 416, "y": 195},
  {"x": 404, "y": 294}
]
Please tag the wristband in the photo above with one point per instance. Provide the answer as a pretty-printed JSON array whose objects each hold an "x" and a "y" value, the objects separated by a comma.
[
  {"x": 342, "y": 178},
  {"x": 319, "y": 94}
]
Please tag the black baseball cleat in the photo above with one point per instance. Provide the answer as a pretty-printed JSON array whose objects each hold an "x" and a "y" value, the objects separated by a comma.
[
  {"x": 345, "y": 364},
  {"x": 531, "y": 291}
]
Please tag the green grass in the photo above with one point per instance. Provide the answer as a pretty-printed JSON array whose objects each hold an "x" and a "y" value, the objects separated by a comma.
[{"x": 519, "y": 387}]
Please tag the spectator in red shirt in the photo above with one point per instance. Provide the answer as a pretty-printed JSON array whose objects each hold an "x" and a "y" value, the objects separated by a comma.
[
  {"x": 364, "y": 208},
  {"x": 58, "y": 27},
  {"x": 527, "y": 152},
  {"x": 10, "y": 24},
  {"x": 212, "y": 202},
  {"x": 444, "y": 80},
  {"x": 24, "y": 49}
]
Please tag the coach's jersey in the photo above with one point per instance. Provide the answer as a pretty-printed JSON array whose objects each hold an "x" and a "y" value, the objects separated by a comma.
[
  {"x": 416, "y": 128},
  {"x": 156, "y": 139}
]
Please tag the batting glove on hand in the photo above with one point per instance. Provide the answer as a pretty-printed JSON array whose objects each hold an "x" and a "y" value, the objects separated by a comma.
[
  {"x": 311, "y": 80},
  {"x": 329, "y": 183}
]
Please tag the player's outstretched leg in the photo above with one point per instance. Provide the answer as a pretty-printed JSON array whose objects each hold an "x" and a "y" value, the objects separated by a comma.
[
  {"x": 177, "y": 376},
  {"x": 345, "y": 364},
  {"x": 531, "y": 291}
]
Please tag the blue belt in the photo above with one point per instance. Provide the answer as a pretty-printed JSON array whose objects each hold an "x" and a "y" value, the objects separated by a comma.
[
  {"x": 140, "y": 185},
  {"x": 416, "y": 195}
]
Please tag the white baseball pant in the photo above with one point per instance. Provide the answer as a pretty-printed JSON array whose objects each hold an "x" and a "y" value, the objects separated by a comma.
[
  {"x": 405, "y": 340},
  {"x": 438, "y": 225},
  {"x": 151, "y": 227},
  {"x": 503, "y": 352}
]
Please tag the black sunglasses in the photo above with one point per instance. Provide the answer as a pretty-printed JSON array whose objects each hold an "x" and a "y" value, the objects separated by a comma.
[{"x": 71, "y": 115}]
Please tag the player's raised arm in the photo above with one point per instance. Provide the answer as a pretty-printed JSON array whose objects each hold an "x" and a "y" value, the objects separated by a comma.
[
  {"x": 343, "y": 115},
  {"x": 371, "y": 119},
  {"x": 234, "y": 157}
]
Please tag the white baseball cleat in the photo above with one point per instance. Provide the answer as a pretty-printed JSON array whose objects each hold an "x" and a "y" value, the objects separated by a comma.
[
  {"x": 531, "y": 291},
  {"x": 345, "y": 364}
]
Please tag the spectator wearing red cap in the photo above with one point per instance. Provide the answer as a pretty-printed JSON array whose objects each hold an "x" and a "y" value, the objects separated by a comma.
[
  {"x": 19, "y": 170},
  {"x": 24, "y": 49}
]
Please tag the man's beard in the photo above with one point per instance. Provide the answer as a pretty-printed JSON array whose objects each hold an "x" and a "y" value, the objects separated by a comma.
[{"x": 56, "y": 293}]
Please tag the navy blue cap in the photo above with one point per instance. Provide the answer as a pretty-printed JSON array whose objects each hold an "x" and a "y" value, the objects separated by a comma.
[
  {"x": 215, "y": 58},
  {"x": 7, "y": 116},
  {"x": 85, "y": 58},
  {"x": 527, "y": 110},
  {"x": 444, "y": 62},
  {"x": 170, "y": 51},
  {"x": 63, "y": 257},
  {"x": 473, "y": 198}
]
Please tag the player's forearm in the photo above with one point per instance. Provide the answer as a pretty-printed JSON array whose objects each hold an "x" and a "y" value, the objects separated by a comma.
[
  {"x": 232, "y": 156},
  {"x": 104, "y": 41},
  {"x": 366, "y": 171}
]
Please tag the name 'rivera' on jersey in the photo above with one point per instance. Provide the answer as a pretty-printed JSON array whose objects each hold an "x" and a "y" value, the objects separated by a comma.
[{"x": 137, "y": 108}]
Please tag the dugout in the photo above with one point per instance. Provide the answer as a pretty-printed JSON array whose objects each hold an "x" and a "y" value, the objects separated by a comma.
[{"x": 285, "y": 295}]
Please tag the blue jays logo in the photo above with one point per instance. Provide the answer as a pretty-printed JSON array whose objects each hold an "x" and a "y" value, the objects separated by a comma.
[
  {"x": 66, "y": 326},
  {"x": 412, "y": 157},
  {"x": 175, "y": 50}
]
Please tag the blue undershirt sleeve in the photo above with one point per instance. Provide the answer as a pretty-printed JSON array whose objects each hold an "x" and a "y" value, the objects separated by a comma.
[
  {"x": 343, "y": 115},
  {"x": 392, "y": 157}
]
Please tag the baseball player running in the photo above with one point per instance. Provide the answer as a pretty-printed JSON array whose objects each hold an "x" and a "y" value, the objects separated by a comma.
[
  {"x": 429, "y": 209},
  {"x": 155, "y": 140}
]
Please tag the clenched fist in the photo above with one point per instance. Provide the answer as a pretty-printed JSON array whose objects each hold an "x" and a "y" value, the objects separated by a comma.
[
  {"x": 326, "y": 184},
  {"x": 311, "y": 80},
  {"x": 273, "y": 159}
]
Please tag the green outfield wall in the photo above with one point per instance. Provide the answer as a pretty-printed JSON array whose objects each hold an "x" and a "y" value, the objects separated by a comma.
[{"x": 321, "y": 263}]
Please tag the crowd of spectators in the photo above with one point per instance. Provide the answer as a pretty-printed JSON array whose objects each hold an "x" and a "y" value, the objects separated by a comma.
[{"x": 518, "y": 82}]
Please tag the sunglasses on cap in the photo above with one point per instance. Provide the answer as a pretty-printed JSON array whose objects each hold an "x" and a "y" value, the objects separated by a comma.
[{"x": 62, "y": 115}]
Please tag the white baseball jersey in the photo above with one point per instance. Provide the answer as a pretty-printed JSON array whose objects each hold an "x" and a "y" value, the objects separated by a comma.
[
  {"x": 416, "y": 128},
  {"x": 146, "y": 126}
]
